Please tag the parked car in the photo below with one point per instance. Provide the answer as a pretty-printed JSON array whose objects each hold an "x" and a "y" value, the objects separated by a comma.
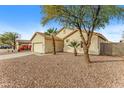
[
  {"x": 5, "y": 47},
  {"x": 24, "y": 47}
]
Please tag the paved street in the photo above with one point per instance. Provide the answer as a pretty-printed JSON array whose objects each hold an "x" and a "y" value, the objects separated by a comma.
[{"x": 15, "y": 55}]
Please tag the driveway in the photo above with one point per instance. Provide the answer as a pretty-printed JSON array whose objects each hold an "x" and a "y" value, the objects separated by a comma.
[{"x": 15, "y": 55}]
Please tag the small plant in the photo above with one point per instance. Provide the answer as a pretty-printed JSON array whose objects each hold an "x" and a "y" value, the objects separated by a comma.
[{"x": 74, "y": 44}]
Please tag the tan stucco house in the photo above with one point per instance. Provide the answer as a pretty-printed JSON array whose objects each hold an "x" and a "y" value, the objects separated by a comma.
[{"x": 43, "y": 44}]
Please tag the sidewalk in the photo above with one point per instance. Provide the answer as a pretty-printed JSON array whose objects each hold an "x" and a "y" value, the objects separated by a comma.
[{"x": 15, "y": 55}]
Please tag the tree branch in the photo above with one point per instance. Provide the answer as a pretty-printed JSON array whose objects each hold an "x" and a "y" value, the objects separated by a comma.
[{"x": 95, "y": 18}]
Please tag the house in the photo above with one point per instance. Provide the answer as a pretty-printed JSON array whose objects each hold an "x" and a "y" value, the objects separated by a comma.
[
  {"x": 43, "y": 44},
  {"x": 70, "y": 34},
  {"x": 20, "y": 43}
]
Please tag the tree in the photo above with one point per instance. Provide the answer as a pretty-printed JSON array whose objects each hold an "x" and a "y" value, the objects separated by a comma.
[
  {"x": 81, "y": 17},
  {"x": 52, "y": 32},
  {"x": 9, "y": 38},
  {"x": 74, "y": 44}
]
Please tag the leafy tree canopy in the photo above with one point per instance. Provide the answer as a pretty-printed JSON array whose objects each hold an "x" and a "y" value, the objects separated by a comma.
[
  {"x": 83, "y": 15},
  {"x": 51, "y": 31},
  {"x": 9, "y": 38}
]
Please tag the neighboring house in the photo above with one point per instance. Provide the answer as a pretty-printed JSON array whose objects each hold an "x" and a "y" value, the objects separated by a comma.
[
  {"x": 42, "y": 43},
  {"x": 20, "y": 43}
]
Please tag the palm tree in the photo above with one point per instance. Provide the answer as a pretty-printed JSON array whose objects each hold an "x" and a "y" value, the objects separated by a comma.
[
  {"x": 9, "y": 38},
  {"x": 74, "y": 44},
  {"x": 52, "y": 32}
]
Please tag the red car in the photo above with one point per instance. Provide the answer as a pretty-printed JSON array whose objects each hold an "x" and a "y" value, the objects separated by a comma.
[{"x": 24, "y": 47}]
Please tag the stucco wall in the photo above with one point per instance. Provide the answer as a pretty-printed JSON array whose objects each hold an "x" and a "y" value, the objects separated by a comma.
[
  {"x": 76, "y": 36},
  {"x": 105, "y": 49},
  {"x": 64, "y": 32},
  {"x": 100, "y": 40},
  {"x": 116, "y": 49},
  {"x": 38, "y": 39},
  {"x": 49, "y": 46}
]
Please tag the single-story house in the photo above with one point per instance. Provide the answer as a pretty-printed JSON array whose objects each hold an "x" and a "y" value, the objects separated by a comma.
[
  {"x": 43, "y": 44},
  {"x": 20, "y": 43},
  {"x": 70, "y": 34}
]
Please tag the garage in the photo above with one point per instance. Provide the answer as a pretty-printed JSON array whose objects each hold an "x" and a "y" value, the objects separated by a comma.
[
  {"x": 42, "y": 43},
  {"x": 38, "y": 47}
]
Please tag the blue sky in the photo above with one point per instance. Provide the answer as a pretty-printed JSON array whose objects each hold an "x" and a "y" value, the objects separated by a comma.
[
  {"x": 26, "y": 21},
  {"x": 22, "y": 19}
]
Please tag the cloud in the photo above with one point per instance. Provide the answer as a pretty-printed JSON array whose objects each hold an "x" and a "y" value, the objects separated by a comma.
[{"x": 113, "y": 32}]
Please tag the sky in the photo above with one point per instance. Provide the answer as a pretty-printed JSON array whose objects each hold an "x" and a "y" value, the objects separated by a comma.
[{"x": 25, "y": 20}]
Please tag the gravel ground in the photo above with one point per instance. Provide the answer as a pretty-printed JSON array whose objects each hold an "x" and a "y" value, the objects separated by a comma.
[{"x": 62, "y": 70}]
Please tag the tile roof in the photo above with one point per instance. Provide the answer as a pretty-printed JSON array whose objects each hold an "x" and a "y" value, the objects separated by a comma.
[{"x": 46, "y": 36}]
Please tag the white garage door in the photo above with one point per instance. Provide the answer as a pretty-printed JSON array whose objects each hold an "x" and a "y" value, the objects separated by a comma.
[{"x": 38, "y": 48}]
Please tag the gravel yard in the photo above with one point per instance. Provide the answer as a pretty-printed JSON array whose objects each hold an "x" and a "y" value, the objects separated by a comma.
[{"x": 62, "y": 70}]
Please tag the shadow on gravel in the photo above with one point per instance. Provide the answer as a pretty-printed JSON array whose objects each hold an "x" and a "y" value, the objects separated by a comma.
[{"x": 106, "y": 61}]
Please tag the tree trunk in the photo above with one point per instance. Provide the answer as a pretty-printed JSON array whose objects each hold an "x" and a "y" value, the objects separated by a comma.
[
  {"x": 14, "y": 41},
  {"x": 54, "y": 45},
  {"x": 86, "y": 55},
  {"x": 14, "y": 46},
  {"x": 85, "y": 48},
  {"x": 75, "y": 52}
]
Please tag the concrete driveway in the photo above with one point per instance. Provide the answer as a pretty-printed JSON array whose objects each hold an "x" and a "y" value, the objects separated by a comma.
[{"x": 15, "y": 55}]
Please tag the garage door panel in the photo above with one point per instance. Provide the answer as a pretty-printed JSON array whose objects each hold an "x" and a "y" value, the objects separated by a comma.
[{"x": 38, "y": 47}]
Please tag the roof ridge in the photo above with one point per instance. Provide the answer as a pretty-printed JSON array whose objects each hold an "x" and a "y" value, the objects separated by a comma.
[
  {"x": 44, "y": 35},
  {"x": 96, "y": 33}
]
